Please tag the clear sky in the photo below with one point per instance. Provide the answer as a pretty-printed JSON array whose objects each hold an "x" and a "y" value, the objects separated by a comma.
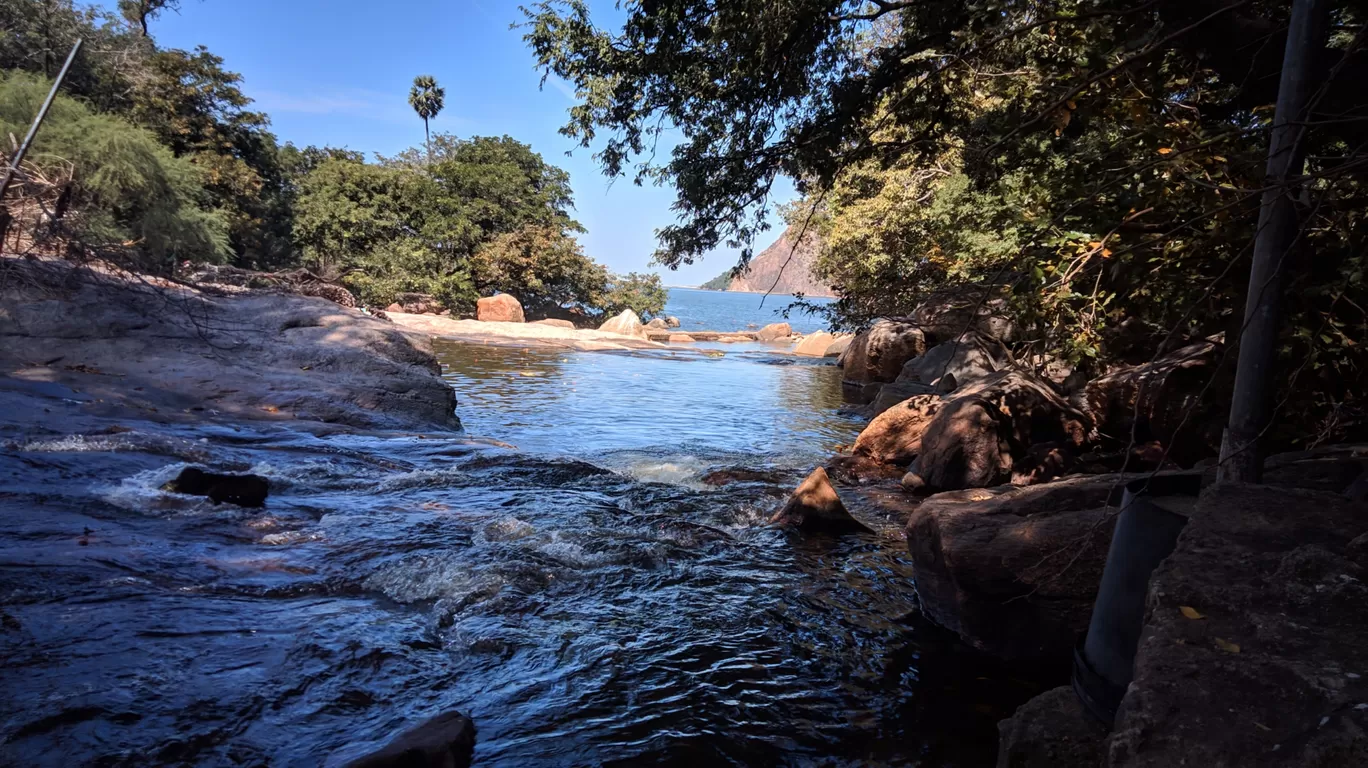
[{"x": 337, "y": 72}]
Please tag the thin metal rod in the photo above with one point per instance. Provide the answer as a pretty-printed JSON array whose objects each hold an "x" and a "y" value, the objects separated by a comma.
[{"x": 37, "y": 121}]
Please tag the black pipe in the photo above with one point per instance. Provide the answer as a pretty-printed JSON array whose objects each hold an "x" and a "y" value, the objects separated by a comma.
[{"x": 1146, "y": 533}]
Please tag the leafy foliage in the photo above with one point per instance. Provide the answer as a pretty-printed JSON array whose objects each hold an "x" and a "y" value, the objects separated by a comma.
[
  {"x": 125, "y": 190},
  {"x": 644, "y": 294},
  {"x": 543, "y": 267},
  {"x": 719, "y": 283},
  {"x": 1103, "y": 160},
  {"x": 427, "y": 100}
]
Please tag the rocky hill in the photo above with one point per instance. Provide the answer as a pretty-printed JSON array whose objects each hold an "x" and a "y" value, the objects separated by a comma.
[{"x": 773, "y": 264}]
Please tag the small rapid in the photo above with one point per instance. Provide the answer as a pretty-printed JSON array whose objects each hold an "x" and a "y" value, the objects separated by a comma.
[{"x": 573, "y": 581}]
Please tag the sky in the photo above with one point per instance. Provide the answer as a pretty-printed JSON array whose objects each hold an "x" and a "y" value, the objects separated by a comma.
[{"x": 338, "y": 72}]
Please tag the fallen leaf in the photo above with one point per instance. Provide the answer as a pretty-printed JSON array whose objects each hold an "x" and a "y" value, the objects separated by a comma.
[
  {"x": 1190, "y": 612},
  {"x": 1226, "y": 645},
  {"x": 1262, "y": 727},
  {"x": 1165, "y": 150}
]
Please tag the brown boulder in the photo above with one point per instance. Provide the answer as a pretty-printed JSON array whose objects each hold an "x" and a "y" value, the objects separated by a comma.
[
  {"x": 1154, "y": 400},
  {"x": 774, "y": 331},
  {"x": 671, "y": 322},
  {"x": 627, "y": 323},
  {"x": 977, "y": 436},
  {"x": 814, "y": 345},
  {"x": 891, "y": 394},
  {"x": 444, "y": 741},
  {"x": 500, "y": 308},
  {"x": 680, "y": 338},
  {"x": 1014, "y": 570},
  {"x": 815, "y": 507},
  {"x": 948, "y": 313},
  {"x": 878, "y": 354},
  {"x": 969, "y": 358},
  {"x": 1051, "y": 731},
  {"x": 657, "y": 324},
  {"x": 839, "y": 346},
  {"x": 554, "y": 323},
  {"x": 895, "y": 435}
]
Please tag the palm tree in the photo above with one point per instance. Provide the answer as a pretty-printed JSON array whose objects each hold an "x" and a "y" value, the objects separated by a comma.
[{"x": 426, "y": 98}]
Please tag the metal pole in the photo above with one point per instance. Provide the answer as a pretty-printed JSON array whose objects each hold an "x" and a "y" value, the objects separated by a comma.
[
  {"x": 37, "y": 121},
  {"x": 1252, "y": 401}
]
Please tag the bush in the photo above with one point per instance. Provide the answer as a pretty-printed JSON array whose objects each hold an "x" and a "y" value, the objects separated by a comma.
[
  {"x": 128, "y": 195},
  {"x": 643, "y": 294}
]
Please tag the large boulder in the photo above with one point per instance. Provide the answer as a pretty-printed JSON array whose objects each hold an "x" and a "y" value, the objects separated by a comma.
[
  {"x": 981, "y": 434},
  {"x": 892, "y": 394},
  {"x": 946, "y": 314},
  {"x": 1252, "y": 652},
  {"x": 671, "y": 322},
  {"x": 894, "y": 436},
  {"x": 1015, "y": 570},
  {"x": 969, "y": 358},
  {"x": 554, "y": 322},
  {"x": 1051, "y": 731},
  {"x": 815, "y": 507},
  {"x": 501, "y": 308},
  {"x": 774, "y": 332},
  {"x": 416, "y": 304},
  {"x": 878, "y": 354},
  {"x": 627, "y": 323},
  {"x": 1167, "y": 401},
  {"x": 814, "y": 344},
  {"x": 658, "y": 324},
  {"x": 838, "y": 346},
  {"x": 444, "y": 741}
]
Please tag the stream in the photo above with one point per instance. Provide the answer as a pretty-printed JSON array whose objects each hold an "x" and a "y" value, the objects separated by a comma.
[{"x": 585, "y": 596}]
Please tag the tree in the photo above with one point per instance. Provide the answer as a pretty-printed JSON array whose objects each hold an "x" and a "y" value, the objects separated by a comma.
[
  {"x": 126, "y": 196},
  {"x": 1101, "y": 161},
  {"x": 427, "y": 99},
  {"x": 140, "y": 12},
  {"x": 543, "y": 267},
  {"x": 644, "y": 294}
]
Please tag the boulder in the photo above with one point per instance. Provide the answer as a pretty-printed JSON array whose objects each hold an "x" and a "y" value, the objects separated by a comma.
[
  {"x": 891, "y": 394},
  {"x": 626, "y": 323},
  {"x": 1155, "y": 400},
  {"x": 680, "y": 338},
  {"x": 815, "y": 507},
  {"x": 1273, "y": 671},
  {"x": 1051, "y": 731},
  {"x": 242, "y": 490},
  {"x": 444, "y": 741},
  {"x": 554, "y": 322},
  {"x": 671, "y": 322},
  {"x": 946, "y": 314},
  {"x": 814, "y": 345},
  {"x": 395, "y": 307},
  {"x": 878, "y": 354},
  {"x": 839, "y": 346},
  {"x": 967, "y": 359},
  {"x": 500, "y": 308},
  {"x": 417, "y": 303},
  {"x": 1014, "y": 571},
  {"x": 895, "y": 435},
  {"x": 774, "y": 331},
  {"x": 730, "y": 475},
  {"x": 657, "y": 324},
  {"x": 977, "y": 436}
]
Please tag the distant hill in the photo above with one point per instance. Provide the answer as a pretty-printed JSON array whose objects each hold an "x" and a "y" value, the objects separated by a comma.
[{"x": 792, "y": 275}]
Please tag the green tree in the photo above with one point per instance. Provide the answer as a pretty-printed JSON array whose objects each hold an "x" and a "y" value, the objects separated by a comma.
[
  {"x": 140, "y": 12},
  {"x": 127, "y": 197},
  {"x": 644, "y": 294},
  {"x": 543, "y": 267},
  {"x": 427, "y": 99}
]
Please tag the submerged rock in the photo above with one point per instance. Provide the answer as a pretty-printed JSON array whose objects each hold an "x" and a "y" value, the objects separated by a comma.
[
  {"x": 626, "y": 323},
  {"x": 816, "y": 508},
  {"x": 500, "y": 308},
  {"x": 444, "y": 741},
  {"x": 731, "y": 475},
  {"x": 774, "y": 331},
  {"x": 242, "y": 490}
]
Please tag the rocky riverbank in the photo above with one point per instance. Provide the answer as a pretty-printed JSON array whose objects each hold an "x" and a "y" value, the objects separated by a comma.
[{"x": 1009, "y": 475}]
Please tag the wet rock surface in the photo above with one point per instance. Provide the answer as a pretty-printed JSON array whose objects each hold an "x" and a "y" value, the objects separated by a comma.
[
  {"x": 1051, "y": 731},
  {"x": 815, "y": 507},
  {"x": 242, "y": 490},
  {"x": 444, "y": 741}
]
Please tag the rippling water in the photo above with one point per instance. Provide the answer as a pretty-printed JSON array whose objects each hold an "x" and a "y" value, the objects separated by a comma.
[{"x": 585, "y": 597}]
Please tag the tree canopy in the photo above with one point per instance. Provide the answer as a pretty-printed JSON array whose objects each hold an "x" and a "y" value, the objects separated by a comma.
[{"x": 1101, "y": 159}]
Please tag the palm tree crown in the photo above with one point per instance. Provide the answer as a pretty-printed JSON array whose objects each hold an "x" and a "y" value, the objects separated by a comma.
[{"x": 426, "y": 98}]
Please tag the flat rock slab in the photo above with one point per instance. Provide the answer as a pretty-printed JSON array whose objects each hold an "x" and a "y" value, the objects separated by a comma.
[
  {"x": 1267, "y": 666},
  {"x": 519, "y": 334}
]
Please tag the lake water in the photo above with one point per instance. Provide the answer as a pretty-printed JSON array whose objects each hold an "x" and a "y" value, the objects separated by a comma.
[
  {"x": 585, "y": 596},
  {"x": 727, "y": 311}
]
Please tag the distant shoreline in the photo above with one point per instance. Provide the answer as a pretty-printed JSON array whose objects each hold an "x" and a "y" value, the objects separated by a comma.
[{"x": 757, "y": 293}]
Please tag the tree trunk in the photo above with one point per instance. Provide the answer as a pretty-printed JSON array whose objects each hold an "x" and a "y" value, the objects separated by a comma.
[
  {"x": 427, "y": 139},
  {"x": 1274, "y": 242}
]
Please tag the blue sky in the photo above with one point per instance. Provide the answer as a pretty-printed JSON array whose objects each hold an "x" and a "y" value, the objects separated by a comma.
[{"x": 337, "y": 72}]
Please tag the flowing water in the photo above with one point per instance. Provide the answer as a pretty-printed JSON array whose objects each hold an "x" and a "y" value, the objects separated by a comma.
[{"x": 586, "y": 597}]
